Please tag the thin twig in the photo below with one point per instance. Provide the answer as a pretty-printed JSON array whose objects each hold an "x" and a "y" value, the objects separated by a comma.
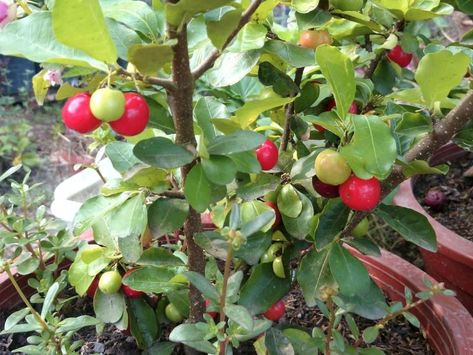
[
  {"x": 172, "y": 194},
  {"x": 167, "y": 84},
  {"x": 223, "y": 296},
  {"x": 290, "y": 113},
  {"x": 210, "y": 61}
]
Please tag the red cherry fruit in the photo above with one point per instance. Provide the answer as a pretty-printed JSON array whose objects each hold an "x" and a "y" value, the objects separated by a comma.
[
  {"x": 135, "y": 118},
  {"x": 276, "y": 311},
  {"x": 128, "y": 291},
  {"x": 397, "y": 55},
  {"x": 77, "y": 115},
  {"x": 323, "y": 189},
  {"x": 267, "y": 155},
  {"x": 273, "y": 205},
  {"x": 360, "y": 194},
  {"x": 332, "y": 104},
  {"x": 93, "y": 287},
  {"x": 319, "y": 128},
  {"x": 212, "y": 314}
]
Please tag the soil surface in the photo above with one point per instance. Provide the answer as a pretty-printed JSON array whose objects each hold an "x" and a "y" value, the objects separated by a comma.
[
  {"x": 397, "y": 338},
  {"x": 457, "y": 212}
]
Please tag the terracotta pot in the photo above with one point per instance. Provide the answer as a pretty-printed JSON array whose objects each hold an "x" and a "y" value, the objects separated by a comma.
[
  {"x": 447, "y": 323},
  {"x": 453, "y": 262}
]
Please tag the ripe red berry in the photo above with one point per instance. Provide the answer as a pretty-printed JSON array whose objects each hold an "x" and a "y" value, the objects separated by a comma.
[
  {"x": 273, "y": 205},
  {"x": 212, "y": 314},
  {"x": 276, "y": 311},
  {"x": 76, "y": 114},
  {"x": 323, "y": 189},
  {"x": 319, "y": 128},
  {"x": 267, "y": 155},
  {"x": 93, "y": 287},
  {"x": 135, "y": 118},
  {"x": 359, "y": 194},
  {"x": 332, "y": 104},
  {"x": 128, "y": 291},
  {"x": 397, "y": 55}
]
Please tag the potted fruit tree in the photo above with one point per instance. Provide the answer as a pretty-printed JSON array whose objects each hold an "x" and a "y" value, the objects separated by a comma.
[{"x": 249, "y": 153}]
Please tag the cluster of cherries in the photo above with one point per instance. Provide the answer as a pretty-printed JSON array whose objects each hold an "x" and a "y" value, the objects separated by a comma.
[{"x": 128, "y": 114}]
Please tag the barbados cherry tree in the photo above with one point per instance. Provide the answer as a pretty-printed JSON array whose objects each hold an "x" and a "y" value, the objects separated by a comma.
[{"x": 251, "y": 152}]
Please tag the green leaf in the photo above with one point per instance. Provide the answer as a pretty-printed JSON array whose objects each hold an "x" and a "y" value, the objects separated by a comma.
[
  {"x": 218, "y": 31},
  {"x": 15, "y": 317},
  {"x": 121, "y": 155},
  {"x": 136, "y": 15},
  {"x": 463, "y": 138},
  {"x": 413, "y": 124},
  {"x": 293, "y": 55},
  {"x": 281, "y": 83},
  {"x": 328, "y": 120},
  {"x": 350, "y": 273},
  {"x": 240, "y": 141},
  {"x": 151, "y": 279},
  {"x": 263, "y": 289},
  {"x": 365, "y": 245},
  {"x": 130, "y": 218},
  {"x": 301, "y": 341},
  {"x": 384, "y": 77},
  {"x": 312, "y": 19},
  {"x": 338, "y": 70},
  {"x": 76, "y": 323},
  {"x": 304, "y": 6},
  {"x": 161, "y": 348},
  {"x": 143, "y": 323},
  {"x": 192, "y": 335},
  {"x": 332, "y": 221},
  {"x": 246, "y": 162},
  {"x": 158, "y": 257},
  {"x": 213, "y": 243},
  {"x": 263, "y": 184},
  {"x": 230, "y": 68},
  {"x": 78, "y": 277},
  {"x": 314, "y": 274},
  {"x": 260, "y": 222},
  {"x": 370, "y": 334},
  {"x": 123, "y": 37},
  {"x": 449, "y": 71},
  {"x": 254, "y": 248},
  {"x": 32, "y": 37},
  {"x": 149, "y": 58},
  {"x": 197, "y": 189},
  {"x": 412, "y": 225},
  {"x": 240, "y": 315},
  {"x": 300, "y": 226},
  {"x": 203, "y": 285},
  {"x": 219, "y": 169},
  {"x": 372, "y": 150},
  {"x": 80, "y": 24},
  {"x": 289, "y": 203},
  {"x": 309, "y": 94},
  {"x": 251, "y": 36},
  {"x": 109, "y": 308},
  {"x": 186, "y": 9},
  {"x": 249, "y": 112},
  {"x": 277, "y": 343},
  {"x": 167, "y": 215},
  {"x": 252, "y": 209},
  {"x": 205, "y": 109},
  {"x": 419, "y": 14},
  {"x": 94, "y": 209},
  {"x": 418, "y": 167},
  {"x": 49, "y": 299},
  {"x": 465, "y": 6},
  {"x": 40, "y": 87},
  {"x": 162, "y": 153}
]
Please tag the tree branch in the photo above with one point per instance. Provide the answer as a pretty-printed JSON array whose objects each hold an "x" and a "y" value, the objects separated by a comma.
[
  {"x": 210, "y": 61},
  {"x": 167, "y": 84},
  {"x": 441, "y": 134},
  {"x": 290, "y": 112}
]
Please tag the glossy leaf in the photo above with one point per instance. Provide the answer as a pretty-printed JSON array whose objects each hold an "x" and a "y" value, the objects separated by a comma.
[
  {"x": 167, "y": 215},
  {"x": 293, "y": 55},
  {"x": 162, "y": 153},
  {"x": 248, "y": 113},
  {"x": 338, "y": 70},
  {"x": 109, "y": 308},
  {"x": 203, "y": 285},
  {"x": 314, "y": 274},
  {"x": 418, "y": 167},
  {"x": 205, "y": 109},
  {"x": 304, "y": 6},
  {"x": 412, "y": 225},
  {"x": 149, "y": 58},
  {"x": 263, "y": 184},
  {"x": 251, "y": 209},
  {"x": 281, "y": 83},
  {"x": 121, "y": 155},
  {"x": 159, "y": 257},
  {"x": 240, "y": 141},
  {"x": 219, "y": 169},
  {"x": 263, "y": 289},
  {"x": 239, "y": 315},
  {"x": 413, "y": 124},
  {"x": 449, "y": 70},
  {"x": 332, "y": 221},
  {"x": 130, "y": 218},
  {"x": 300, "y": 226},
  {"x": 143, "y": 323},
  {"x": 192, "y": 335},
  {"x": 372, "y": 150},
  {"x": 218, "y": 31},
  {"x": 150, "y": 279},
  {"x": 175, "y": 13},
  {"x": 230, "y": 68},
  {"x": 87, "y": 32},
  {"x": 198, "y": 189},
  {"x": 277, "y": 343}
]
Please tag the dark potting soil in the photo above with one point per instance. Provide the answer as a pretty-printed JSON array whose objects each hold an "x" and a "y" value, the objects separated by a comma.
[
  {"x": 457, "y": 212},
  {"x": 398, "y": 337}
]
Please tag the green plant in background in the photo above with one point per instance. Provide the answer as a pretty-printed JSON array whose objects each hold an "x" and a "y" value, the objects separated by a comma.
[
  {"x": 281, "y": 139},
  {"x": 35, "y": 245}
]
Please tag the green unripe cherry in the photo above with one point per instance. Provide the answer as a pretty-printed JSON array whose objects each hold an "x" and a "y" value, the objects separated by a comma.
[
  {"x": 172, "y": 313},
  {"x": 107, "y": 104},
  {"x": 110, "y": 282},
  {"x": 331, "y": 167},
  {"x": 361, "y": 229}
]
